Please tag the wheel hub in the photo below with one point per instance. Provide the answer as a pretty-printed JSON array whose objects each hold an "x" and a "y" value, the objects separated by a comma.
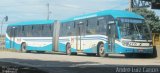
[
  {"x": 68, "y": 49},
  {"x": 102, "y": 50}
]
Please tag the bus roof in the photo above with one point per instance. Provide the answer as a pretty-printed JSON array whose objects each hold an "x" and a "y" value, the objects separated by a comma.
[
  {"x": 114, "y": 13},
  {"x": 35, "y": 22}
]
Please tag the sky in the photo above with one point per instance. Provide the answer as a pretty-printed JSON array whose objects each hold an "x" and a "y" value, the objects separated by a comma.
[{"x": 27, "y": 10}]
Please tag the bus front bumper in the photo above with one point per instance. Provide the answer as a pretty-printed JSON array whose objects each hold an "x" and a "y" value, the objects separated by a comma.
[{"x": 134, "y": 50}]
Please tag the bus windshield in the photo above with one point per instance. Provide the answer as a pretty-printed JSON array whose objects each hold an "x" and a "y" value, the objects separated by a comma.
[{"x": 134, "y": 29}]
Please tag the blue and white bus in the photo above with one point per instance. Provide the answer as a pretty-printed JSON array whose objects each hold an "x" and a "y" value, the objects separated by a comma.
[{"x": 100, "y": 33}]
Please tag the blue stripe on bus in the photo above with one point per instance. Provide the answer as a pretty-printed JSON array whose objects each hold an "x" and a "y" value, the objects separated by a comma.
[
  {"x": 114, "y": 13},
  {"x": 14, "y": 45},
  {"x": 120, "y": 49},
  {"x": 47, "y": 48},
  {"x": 85, "y": 38}
]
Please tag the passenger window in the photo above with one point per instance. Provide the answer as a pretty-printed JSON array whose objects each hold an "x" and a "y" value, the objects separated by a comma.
[
  {"x": 46, "y": 30},
  {"x": 81, "y": 27},
  {"x": 92, "y": 27},
  {"x": 102, "y": 26}
]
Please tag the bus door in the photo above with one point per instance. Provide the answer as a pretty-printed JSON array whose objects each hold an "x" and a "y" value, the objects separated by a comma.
[
  {"x": 12, "y": 37},
  {"x": 80, "y": 35},
  {"x": 111, "y": 34}
]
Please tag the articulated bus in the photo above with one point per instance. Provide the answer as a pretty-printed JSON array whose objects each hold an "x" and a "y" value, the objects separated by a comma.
[{"x": 100, "y": 33}]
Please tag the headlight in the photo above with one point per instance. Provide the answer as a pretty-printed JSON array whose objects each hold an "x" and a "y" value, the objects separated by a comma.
[{"x": 125, "y": 43}]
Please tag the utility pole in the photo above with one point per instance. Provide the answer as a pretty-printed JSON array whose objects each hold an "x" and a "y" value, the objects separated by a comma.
[
  {"x": 130, "y": 5},
  {"x": 5, "y": 19},
  {"x": 47, "y": 11}
]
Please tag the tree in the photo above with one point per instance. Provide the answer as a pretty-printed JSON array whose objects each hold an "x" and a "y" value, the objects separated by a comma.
[{"x": 150, "y": 17}]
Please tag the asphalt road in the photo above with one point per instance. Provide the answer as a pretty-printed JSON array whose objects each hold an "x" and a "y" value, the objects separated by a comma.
[
  {"x": 60, "y": 62},
  {"x": 6, "y": 67}
]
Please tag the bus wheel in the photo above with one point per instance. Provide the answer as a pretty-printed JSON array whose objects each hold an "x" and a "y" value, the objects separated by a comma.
[
  {"x": 68, "y": 49},
  {"x": 101, "y": 50},
  {"x": 154, "y": 54},
  {"x": 23, "y": 47}
]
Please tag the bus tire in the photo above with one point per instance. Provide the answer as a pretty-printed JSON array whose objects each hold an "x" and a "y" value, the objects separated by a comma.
[
  {"x": 154, "y": 54},
  {"x": 68, "y": 49},
  {"x": 23, "y": 48},
  {"x": 101, "y": 50}
]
